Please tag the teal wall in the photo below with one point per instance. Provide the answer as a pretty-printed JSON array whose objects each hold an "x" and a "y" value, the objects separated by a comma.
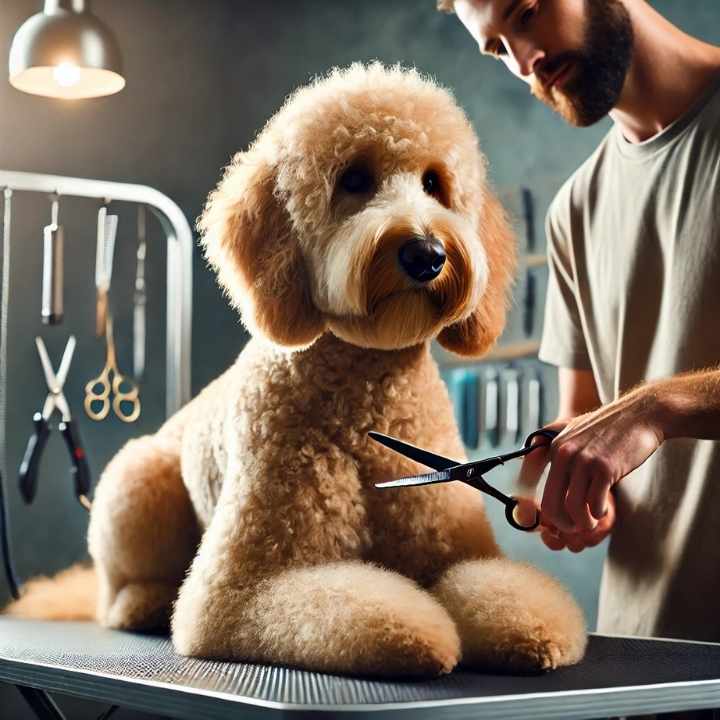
[{"x": 202, "y": 79}]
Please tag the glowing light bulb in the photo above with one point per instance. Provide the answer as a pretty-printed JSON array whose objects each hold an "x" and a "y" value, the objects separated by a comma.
[{"x": 66, "y": 74}]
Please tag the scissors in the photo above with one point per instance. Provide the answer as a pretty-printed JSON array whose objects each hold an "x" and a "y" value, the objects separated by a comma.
[
  {"x": 55, "y": 400},
  {"x": 99, "y": 389},
  {"x": 470, "y": 473}
]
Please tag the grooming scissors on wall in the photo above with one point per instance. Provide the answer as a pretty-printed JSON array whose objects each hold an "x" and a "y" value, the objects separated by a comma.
[
  {"x": 470, "y": 473},
  {"x": 111, "y": 381},
  {"x": 55, "y": 400}
]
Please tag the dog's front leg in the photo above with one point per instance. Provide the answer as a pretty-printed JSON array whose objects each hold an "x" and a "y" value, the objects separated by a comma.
[
  {"x": 343, "y": 617},
  {"x": 511, "y": 616},
  {"x": 278, "y": 578}
]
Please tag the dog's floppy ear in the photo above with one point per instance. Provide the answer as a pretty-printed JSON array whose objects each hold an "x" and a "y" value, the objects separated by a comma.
[
  {"x": 475, "y": 335},
  {"x": 248, "y": 239}
]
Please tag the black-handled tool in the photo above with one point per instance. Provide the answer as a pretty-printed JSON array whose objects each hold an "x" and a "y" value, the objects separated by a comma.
[
  {"x": 27, "y": 477},
  {"x": 79, "y": 470},
  {"x": 55, "y": 401},
  {"x": 529, "y": 216},
  {"x": 529, "y": 303}
]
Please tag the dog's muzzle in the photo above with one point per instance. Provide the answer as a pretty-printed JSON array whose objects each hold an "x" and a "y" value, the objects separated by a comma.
[{"x": 422, "y": 258}]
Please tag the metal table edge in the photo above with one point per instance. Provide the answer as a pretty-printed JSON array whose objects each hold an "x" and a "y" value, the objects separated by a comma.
[{"x": 188, "y": 702}]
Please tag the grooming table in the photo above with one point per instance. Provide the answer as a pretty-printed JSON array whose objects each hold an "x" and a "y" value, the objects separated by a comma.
[{"x": 618, "y": 676}]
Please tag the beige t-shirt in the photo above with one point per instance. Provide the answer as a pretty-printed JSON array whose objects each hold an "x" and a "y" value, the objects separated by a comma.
[{"x": 634, "y": 295}]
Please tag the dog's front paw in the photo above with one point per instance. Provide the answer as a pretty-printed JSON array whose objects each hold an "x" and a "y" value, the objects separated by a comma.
[
  {"x": 512, "y": 617},
  {"x": 529, "y": 648},
  {"x": 422, "y": 645}
]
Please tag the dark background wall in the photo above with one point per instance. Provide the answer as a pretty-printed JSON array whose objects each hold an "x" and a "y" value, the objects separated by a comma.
[{"x": 202, "y": 78}]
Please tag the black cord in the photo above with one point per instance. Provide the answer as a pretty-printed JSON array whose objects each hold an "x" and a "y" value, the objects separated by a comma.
[
  {"x": 5, "y": 539},
  {"x": 5, "y": 302}
]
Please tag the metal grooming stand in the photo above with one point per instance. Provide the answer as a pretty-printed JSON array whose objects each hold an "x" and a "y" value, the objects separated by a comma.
[
  {"x": 179, "y": 260},
  {"x": 179, "y": 302}
]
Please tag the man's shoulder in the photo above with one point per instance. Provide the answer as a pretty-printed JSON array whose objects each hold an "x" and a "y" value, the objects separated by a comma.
[{"x": 574, "y": 192}]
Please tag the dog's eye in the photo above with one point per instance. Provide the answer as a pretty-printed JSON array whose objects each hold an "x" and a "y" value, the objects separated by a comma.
[
  {"x": 356, "y": 180},
  {"x": 431, "y": 183}
]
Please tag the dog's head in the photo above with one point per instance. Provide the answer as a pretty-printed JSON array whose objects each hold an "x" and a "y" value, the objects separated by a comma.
[{"x": 363, "y": 208}]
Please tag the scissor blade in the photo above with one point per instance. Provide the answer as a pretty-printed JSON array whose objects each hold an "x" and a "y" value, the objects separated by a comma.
[
  {"x": 437, "y": 462},
  {"x": 427, "y": 479},
  {"x": 65, "y": 362},
  {"x": 50, "y": 378}
]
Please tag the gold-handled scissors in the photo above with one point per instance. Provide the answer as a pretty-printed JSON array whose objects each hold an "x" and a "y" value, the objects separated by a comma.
[{"x": 111, "y": 381}]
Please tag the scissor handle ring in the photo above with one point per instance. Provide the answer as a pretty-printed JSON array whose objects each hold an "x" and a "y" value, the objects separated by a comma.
[
  {"x": 102, "y": 381},
  {"x": 134, "y": 414},
  {"x": 543, "y": 432},
  {"x": 131, "y": 397},
  {"x": 117, "y": 384},
  {"x": 102, "y": 397},
  {"x": 510, "y": 516},
  {"x": 104, "y": 409}
]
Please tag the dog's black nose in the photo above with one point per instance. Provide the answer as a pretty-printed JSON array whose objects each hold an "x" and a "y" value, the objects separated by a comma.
[{"x": 422, "y": 258}]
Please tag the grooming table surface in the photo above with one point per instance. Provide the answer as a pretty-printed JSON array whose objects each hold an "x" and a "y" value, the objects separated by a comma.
[{"x": 618, "y": 676}]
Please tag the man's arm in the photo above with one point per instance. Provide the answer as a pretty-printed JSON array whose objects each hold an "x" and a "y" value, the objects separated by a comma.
[{"x": 688, "y": 405}]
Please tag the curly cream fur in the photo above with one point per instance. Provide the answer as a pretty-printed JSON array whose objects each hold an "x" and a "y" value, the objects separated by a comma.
[{"x": 250, "y": 521}]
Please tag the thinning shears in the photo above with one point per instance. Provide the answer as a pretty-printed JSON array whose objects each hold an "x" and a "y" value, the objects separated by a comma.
[
  {"x": 55, "y": 401},
  {"x": 470, "y": 473}
]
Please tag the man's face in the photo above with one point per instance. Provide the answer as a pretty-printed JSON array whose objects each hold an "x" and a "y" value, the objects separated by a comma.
[{"x": 574, "y": 54}]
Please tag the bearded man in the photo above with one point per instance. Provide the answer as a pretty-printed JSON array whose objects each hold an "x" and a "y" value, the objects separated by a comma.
[{"x": 633, "y": 307}]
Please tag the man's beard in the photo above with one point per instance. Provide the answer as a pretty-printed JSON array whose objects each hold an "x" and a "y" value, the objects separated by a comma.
[{"x": 598, "y": 72}]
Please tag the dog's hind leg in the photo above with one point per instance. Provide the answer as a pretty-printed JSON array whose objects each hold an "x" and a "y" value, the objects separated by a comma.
[{"x": 142, "y": 535}]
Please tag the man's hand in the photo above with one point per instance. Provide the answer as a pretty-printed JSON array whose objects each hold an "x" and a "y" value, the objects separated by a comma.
[
  {"x": 575, "y": 542},
  {"x": 592, "y": 453}
]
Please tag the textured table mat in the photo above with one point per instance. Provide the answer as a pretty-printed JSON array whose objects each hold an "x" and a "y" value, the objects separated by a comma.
[{"x": 85, "y": 648}]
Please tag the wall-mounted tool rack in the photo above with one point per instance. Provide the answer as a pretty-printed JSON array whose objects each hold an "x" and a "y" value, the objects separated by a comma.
[{"x": 179, "y": 259}]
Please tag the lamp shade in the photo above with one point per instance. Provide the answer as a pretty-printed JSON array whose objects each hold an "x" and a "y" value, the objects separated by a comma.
[{"x": 65, "y": 52}]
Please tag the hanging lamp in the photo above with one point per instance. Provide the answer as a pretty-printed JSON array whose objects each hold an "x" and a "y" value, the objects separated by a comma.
[{"x": 65, "y": 52}]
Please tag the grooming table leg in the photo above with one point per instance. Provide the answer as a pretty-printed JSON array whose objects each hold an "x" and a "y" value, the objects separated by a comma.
[{"x": 41, "y": 703}]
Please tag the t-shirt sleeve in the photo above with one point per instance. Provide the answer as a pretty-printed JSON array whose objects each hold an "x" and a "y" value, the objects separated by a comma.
[{"x": 563, "y": 341}]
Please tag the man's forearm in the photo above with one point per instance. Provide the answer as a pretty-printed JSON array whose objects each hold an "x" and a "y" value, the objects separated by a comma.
[
  {"x": 685, "y": 405},
  {"x": 597, "y": 449}
]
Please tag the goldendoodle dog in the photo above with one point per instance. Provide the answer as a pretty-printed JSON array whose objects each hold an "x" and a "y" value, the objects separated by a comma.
[{"x": 357, "y": 227}]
